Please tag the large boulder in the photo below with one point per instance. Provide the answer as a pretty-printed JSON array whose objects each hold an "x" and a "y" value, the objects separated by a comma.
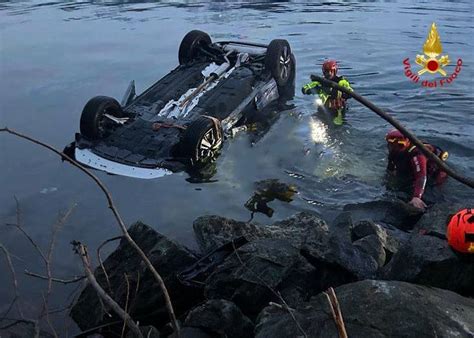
[
  {"x": 221, "y": 318},
  {"x": 297, "y": 258},
  {"x": 375, "y": 309},
  {"x": 381, "y": 242},
  {"x": 435, "y": 220},
  {"x": 146, "y": 304},
  {"x": 396, "y": 213},
  {"x": 430, "y": 261},
  {"x": 214, "y": 231},
  {"x": 336, "y": 251},
  {"x": 252, "y": 276}
]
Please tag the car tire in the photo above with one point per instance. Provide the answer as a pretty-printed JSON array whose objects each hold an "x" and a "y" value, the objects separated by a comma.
[
  {"x": 287, "y": 92},
  {"x": 188, "y": 49},
  {"x": 202, "y": 140},
  {"x": 93, "y": 123},
  {"x": 278, "y": 61}
]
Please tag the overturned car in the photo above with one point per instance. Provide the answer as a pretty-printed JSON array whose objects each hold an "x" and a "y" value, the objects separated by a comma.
[{"x": 181, "y": 121}]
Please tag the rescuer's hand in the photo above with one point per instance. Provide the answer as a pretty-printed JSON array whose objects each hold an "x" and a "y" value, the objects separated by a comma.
[{"x": 417, "y": 203}]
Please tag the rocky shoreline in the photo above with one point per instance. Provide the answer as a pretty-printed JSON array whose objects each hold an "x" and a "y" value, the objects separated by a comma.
[{"x": 392, "y": 269}]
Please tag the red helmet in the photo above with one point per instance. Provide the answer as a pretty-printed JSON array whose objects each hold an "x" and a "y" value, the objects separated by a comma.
[
  {"x": 329, "y": 68},
  {"x": 396, "y": 140},
  {"x": 460, "y": 231}
]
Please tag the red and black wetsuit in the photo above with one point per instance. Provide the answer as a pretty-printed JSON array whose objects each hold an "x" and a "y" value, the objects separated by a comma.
[{"x": 412, "y": 163}]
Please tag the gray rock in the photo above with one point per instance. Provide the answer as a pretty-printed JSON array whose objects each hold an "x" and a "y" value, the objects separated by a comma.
[
  {"x": 214, "y": 231},
  {"x": 147, "y": 332},
  {"x": 298, "y": 257},
  {"x": 376, "y": 309},
  {"x": 220, "y": 317},
  {"x": 372, "y": 245},
  {"x": 147, "y": 305},
  {"x": 251, "y": 276},
  {"x": 193, "y": 332},
  {"x": 429, "y": 260},
  {"x": 436, "y": 218},
  {"x": 21, "y": 328},
  {"x": 396, "y": 213},
  {"x": 336, "y": 252},
  {"x": 378, "y": 241}
]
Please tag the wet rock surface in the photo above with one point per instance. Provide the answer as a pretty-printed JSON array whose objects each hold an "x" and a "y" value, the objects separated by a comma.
[
  {"x": 395, "y": 213},
  {"x": 374, "y": 308},
  {"x": 220, "y": 317},
  {"x": 429, "y": 260},
  {"x": 292, "y": 262},
  {"x": 147, "y": 305}
]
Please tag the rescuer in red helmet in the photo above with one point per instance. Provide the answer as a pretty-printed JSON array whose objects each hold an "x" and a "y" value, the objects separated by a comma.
[
  {"x": 331, "y": 98},
  {"x": 406, "y": 160},
  {"x": 460, "y": 231}
]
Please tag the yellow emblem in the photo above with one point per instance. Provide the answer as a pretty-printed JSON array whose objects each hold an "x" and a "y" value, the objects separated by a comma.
[
  {"x": 471, "y": 248},
  {"x": 432, "y": 48}
]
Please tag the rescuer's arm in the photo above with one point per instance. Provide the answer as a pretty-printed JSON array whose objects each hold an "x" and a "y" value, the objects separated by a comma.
[
  {"x": 344, "y": 83},
  {"x": 418, "y": 167},
  {"x": 311, "y": 88}
]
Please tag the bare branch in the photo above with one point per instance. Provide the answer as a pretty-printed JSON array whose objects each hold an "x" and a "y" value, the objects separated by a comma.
[
  {"x": 75, "y": 279},
  {"x": 117, "y": 216},
  {"x": 99, "y": 258},
  {"x": 59, "y": 223},
  {"x": 126, "y": 303},
  {"x": 15, "y": 284},
  {"x": 45, "y": 312},
  {"x": 19, "y": 226},
  {"x": 82, "y": 251}
]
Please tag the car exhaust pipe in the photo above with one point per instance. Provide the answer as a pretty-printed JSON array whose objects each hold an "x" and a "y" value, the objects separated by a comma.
[{"x": 221, "y": 70}]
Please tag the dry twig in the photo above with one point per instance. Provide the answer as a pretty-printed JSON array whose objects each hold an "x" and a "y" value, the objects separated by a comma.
[
  {"x": 99, "y": 258},
  {"x": 75, "y": 279},
  {"x": 126, "y": 303},
  {"x": 81, "y": 250},
  {"x": 15, "y": 285},
  {"x": 117, "y": 216},
  {"x": 336, "y": 312}
]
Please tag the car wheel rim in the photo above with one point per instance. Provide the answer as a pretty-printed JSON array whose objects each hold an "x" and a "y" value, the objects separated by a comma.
[
  {"x": 209, "y": 145},
  {"x": 285, "y": 61}
]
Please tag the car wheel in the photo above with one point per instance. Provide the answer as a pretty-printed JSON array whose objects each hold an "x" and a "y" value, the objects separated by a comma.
[
  {"x": 287, "y": 92},
  {"x": 202, "y": 140},
  {"x": 278, "y": 61},
  {"x": 189, "y": 47},
  {"x": 94, "y": 124}
]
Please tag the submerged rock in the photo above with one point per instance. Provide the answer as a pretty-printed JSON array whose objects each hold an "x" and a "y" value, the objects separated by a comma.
[
  {"x": 220, "y": 317},
  {"x": 375, "y": 309},
  {"x": 429, "y": 260},
  {"x": 147, "y": 303}
]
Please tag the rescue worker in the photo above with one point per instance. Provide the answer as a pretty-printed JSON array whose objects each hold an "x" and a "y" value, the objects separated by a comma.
[
  {"x": 332, "y": 99},
  {"x": 407, "y": 161}
]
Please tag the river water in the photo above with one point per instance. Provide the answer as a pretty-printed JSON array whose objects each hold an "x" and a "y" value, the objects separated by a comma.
[{"x": 55, "y": 56}]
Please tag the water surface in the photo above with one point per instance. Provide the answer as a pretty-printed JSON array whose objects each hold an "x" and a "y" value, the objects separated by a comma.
[{"x": 55, "y": 56}]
